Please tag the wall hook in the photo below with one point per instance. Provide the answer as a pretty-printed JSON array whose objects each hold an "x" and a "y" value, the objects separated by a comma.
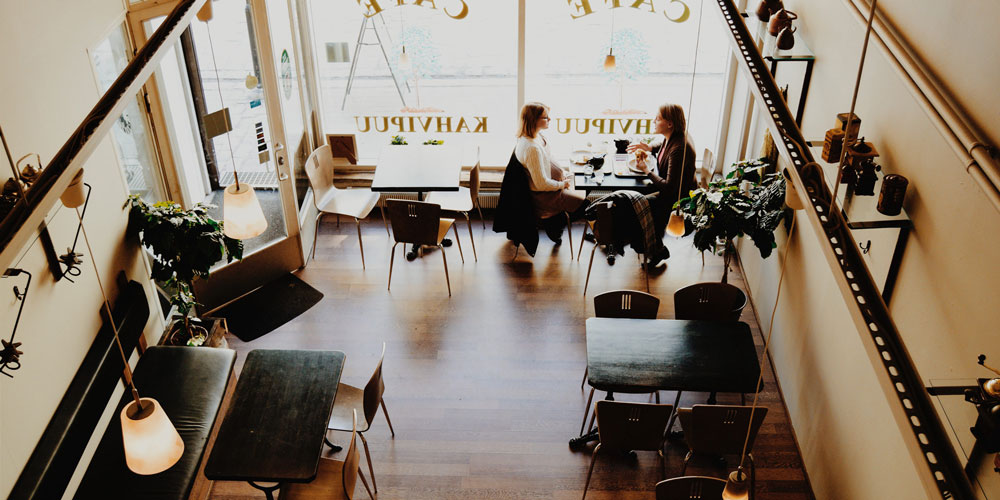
[{"x": 10, "y": 355}]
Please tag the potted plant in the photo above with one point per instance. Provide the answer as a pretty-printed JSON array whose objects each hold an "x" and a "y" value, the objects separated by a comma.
[
  {"x": 745, "y": 202},
  {"x": 398, "y": 140},
  {"x": 433, "y": 142},
  {"x": 184, "y": 245}
]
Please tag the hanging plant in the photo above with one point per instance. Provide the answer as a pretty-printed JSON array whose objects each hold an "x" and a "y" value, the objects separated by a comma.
[{"x": 745, "y": 202}]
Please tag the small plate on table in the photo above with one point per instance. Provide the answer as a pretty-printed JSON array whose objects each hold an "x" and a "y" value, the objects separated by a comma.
[
  {"x": 633, "y": 165},
  {"x": 581, "y": 156}
]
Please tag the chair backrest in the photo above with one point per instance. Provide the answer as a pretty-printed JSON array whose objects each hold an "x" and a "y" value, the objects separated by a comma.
[
  {"x": 626, "y": 304},
  {"x": 414, "y": 221},
  {"x": 350, "y": 470},
  {"x": 690, "y": 488},
  {"x": 474, "y": 184},
  {"x": 374, "y": 390},
  {"x": 709, "y": 301},
  {"x": 631, "y": 426},
  {"x": 707, "y": 170},
  {"x": 319, "y": 170},
  {"x": 604, "y": 227},
  {"x": 720, "y": 429}
]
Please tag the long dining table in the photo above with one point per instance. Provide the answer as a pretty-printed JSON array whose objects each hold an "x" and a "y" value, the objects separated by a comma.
[{"x": 646, "y": 355}]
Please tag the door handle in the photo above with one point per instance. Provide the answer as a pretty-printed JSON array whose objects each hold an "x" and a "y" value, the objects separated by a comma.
[
  {"x": 279, "y": 153},
  {"x": 282, "y": 176}
]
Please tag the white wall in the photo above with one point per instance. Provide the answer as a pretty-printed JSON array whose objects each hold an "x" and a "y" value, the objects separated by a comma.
[
  {"x": 945, "y": 298},
  {"x": 46, "y": 88}
]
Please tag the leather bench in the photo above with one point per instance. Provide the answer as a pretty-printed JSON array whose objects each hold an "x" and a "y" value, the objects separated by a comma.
[{"x": 189, "y": 383}]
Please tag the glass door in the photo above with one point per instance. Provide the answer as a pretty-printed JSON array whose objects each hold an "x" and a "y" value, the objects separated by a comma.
[{"x": 236, "y": 72}]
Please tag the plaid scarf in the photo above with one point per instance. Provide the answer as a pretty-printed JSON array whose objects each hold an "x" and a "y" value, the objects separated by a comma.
[{"x": 643, "y": 214}]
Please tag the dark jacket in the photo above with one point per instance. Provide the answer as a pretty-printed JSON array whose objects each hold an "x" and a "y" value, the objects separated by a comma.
[
  {"x": 515, "y": 213},
  {"x": 670, "y": 175}
]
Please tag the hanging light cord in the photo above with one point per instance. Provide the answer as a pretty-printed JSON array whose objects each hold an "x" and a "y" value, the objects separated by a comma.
[
  {"x": 854, "y": 101},
  {"x": 694, "y": 71},
  {"x": 17, "y": 175},
  {"x": 767, "y": 342},
  {"x": 222, "y": 102},
  {"x": 611, "y": 43},
  {"x": 111, "y": 318}
]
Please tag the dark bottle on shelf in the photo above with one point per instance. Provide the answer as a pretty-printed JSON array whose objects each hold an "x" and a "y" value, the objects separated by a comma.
[{"x": 890, "y": 199}]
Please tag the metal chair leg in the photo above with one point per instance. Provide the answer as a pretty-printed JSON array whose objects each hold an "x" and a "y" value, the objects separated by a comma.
[
  {"x": 458, "y": 242},
  {"x": 361, "y": 475},
  {"x": 569, "y": 231},
  {"x": 586, "y": 369},
  {"x": 319, "y": 216},
  {"x": 481, "y": 218},
  {"x": 368, "y": 455},
  {"x": 392, "y": 256},
  {"x": 593, "y": 416},
  {"x": 582, "y": 239},
  {"x": 360, "y": 244},
  {"x": 586, "y": 410},
  {"x": 687, "y": 458},
  {"x": 446, "y": 278},
  {"x": 386, "y": 413},
  {"x": 645, "y": 268},
  {"x": 585, "y": 283},
  {"x": 593, "y": 459},
  {"x": 468, "y": 222}
]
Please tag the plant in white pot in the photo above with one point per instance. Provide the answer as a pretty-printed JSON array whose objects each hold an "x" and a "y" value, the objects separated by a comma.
[
  {"x": 746, "y": 202},
  {"x": 184, "y": 245}
]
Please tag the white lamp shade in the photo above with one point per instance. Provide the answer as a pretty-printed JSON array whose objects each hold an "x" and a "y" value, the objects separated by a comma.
[
  {"x": 609, "y": 63},
  {"x": 74, "y": 195},
  {"x": 151, "y": 442},
  {"x": 736, "y": 487},
  {"x": 241, "y": 212},
  {"x": 676, "y": 225},
  {"x": 404, "y": 59}
]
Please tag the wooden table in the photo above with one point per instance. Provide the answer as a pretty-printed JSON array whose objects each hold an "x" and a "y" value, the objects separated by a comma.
[
  {"x": 418, "y": 169},
  {"x": 277, "y": 420},
  {"x": 646, "y": 355}
]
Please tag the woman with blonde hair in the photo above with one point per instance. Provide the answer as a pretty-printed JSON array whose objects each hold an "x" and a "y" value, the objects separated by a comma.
[
  {"x": 675, "y": 172},
  {"x": 551, "y": 192}
]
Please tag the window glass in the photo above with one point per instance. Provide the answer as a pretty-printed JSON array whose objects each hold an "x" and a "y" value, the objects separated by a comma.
[
  {"x": 459, "y": 85},
  {"x": 653, "y": 43}
]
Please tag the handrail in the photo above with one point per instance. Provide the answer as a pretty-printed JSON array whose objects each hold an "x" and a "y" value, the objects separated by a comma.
[
  {"x": 941, "y": 108},
  {"x": 899, "y": 378},
  {"x": 29, "y": 212}
]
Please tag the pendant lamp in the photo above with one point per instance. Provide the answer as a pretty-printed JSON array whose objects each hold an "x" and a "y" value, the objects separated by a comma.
[
  {"x": 609, "y": 60},
  {"x": 792, "y": 198},
  {"x": 404, "y": 59},
  {"x": 74, "y": 196},
  {"x": 150, "y": 441},
  {"x": 737, "y": 487},
  {"x": 675, "y": 227},
  {"x": 242, "y": 217}
]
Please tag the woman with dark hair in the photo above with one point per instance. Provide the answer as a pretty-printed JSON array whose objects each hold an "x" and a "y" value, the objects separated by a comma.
[
  {"x": 675, "y": 158},
  {"x": 550, "y": 188}
]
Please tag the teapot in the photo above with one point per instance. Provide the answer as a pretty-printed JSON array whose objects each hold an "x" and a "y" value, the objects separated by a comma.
[
  {"x": 780, "y": 20},
  {"x": 768, "y": 7},
  {"x": 786, "y": 38}
]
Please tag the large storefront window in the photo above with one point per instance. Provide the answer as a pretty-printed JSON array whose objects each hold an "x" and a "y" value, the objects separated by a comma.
[
  {"x": 460, "y": 85},
  {"x": 653, "y": 42},
  {"x": 461, "y": 82}
]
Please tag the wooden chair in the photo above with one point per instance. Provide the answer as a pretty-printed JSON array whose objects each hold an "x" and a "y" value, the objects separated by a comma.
[
  {"x": 357, "y": 203},
  {"x": 419, "y": 223},
  {"x": 719, "y": 430},
  {"x": 334, "y": 479},
  {"x": 462, "y": 201},
  {"x": 690, "y": 488},
  {"x": 707, "y": 171},
  {"x": 709, "y": 301},
  {"x": 352, "y": 400},
  {"x": 604, "y": 234},
  {"x": 623, "y": 427}
]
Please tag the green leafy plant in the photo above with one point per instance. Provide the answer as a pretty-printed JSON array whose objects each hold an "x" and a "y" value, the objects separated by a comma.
[
  {"x": 433, "y": 142},
  {"x": 184, "y": 245},
  {"x": 398, "y": 140},
  {"x": 745, "y": 202}
]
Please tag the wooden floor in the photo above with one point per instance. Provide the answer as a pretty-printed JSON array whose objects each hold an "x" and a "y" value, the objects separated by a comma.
[{"x": 484, "y": 388}]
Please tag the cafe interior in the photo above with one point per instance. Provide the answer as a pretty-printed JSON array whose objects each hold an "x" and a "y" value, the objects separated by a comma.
[{"x": 221, "y": 219}]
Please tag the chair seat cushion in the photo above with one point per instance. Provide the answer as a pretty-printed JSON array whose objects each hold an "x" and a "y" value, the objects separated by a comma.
[
  {"x": 189, "y": 383},
  {"x": 452, "y": 201},
  {"x": 349, "y": 398},
  {"x": 350, "y": 202},
  {"x": 328, "y": 485}
]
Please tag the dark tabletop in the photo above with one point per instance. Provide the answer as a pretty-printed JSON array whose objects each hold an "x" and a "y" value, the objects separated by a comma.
[
  {"x": 274, "y": 428},
  {"x": 611, "y": 182},
  {"x": 642, "y": 355}
]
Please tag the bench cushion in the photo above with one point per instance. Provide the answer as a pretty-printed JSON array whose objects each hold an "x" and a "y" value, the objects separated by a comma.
[{"x": 189, "y": 383}]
